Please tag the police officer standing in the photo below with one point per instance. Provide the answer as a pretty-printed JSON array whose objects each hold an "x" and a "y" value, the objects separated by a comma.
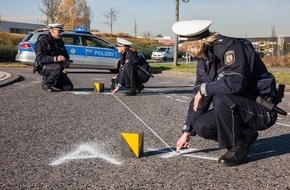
[
  {"x": 51, "y": 58},
  {"x": 230, "y": 76},
  {"x": 130, "y": 75}
]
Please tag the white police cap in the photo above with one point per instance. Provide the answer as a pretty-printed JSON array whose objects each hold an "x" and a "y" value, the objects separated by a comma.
[
  {"x": 192, "y": 29},
  {"x": 56, "y": 26},
  {"x": 122, "y": 42}
]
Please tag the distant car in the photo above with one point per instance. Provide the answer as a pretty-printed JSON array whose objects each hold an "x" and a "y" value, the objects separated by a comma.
[
  {"x": 163, "y": 53},
  {"x": 85, "y": 49}
]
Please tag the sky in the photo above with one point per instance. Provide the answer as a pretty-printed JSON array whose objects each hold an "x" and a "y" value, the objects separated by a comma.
[{"x": 236, "y": 18}]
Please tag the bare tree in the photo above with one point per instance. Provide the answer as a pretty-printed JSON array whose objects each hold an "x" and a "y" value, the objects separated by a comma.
[
  {"x": 146, "y": 34},
  {"x": 50, "y": 9},
  {"x": 111, "y": 17}
]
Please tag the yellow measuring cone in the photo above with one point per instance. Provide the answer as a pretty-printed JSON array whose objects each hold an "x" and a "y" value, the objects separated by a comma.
[
  {"x": 99, "y": 87},
  {"x": 132, "y": 144}
]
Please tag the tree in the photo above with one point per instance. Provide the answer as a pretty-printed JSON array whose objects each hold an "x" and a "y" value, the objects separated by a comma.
[
  {"x": 111, "y": 17},
  {"x": 74, "y": 13},
  {"x": 71, "y": 13},
  {"x": 146, "y": 34},
  {"x": 50, "y": 9}
]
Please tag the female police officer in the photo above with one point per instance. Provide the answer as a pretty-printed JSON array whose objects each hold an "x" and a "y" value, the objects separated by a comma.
[
  {"x": 229, "y": 76},
  {"x": 131, "y": 75},
  {"x": 52, "y": 57}
]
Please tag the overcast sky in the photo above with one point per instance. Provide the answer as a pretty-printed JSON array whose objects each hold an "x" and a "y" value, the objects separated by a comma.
[{"x": 238, "y": 18}]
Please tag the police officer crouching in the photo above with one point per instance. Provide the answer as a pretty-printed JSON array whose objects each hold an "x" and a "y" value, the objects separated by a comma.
[
  {"x": 134, "y": 69},
  {"x": 51, "y": 59},
  {"x": 230, "y": 76}
]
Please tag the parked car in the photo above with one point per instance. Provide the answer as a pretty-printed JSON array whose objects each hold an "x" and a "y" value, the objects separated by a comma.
[
  {"x": 163, "y": 53},
  {"x": 85, "y": 49}
]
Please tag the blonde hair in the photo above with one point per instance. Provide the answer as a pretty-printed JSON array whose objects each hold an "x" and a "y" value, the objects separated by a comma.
[{"x": 196, "y": 48}]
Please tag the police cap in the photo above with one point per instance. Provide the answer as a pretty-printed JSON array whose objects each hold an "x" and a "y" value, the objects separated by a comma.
[
  {"x": 56, "y": 26},
  {"x": 192, "y": 29},
  {"x": 122, "y": 42}
]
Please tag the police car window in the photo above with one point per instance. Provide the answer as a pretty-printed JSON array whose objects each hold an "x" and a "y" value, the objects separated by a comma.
[
  {"x": 96, "y": 42},
  {"x": 71, "y": 40}
]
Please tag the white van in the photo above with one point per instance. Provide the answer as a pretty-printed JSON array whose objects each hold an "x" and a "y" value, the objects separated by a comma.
[{"x": 163, "y": 53}]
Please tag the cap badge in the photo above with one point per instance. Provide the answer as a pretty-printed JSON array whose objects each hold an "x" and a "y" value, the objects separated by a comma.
[{"x": 230, "y": 57}]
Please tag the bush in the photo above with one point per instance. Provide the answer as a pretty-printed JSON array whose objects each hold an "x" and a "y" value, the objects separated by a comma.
[
  {"x": 277, "y": 61},
  {"x": 8, "y": 53}
]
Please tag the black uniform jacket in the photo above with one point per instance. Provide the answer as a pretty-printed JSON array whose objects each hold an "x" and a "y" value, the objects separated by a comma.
[
  {"x": 233, "y": 67},
  {"x": 47, "y": 48}
]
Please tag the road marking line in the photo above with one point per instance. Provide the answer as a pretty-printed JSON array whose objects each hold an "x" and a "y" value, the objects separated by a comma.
[
  {"x": 143, "y": 123},
  {"x": 84, "y": 152},
  {"x": 78, "y": 93},
  {"x": 283, "y": 124},
  {"x": 180, "y": 100}
]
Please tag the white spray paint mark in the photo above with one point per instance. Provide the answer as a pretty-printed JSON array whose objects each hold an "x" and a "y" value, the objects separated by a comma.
[
  {"x": 185, "y": 152},
  {"x": 85, "y": 152}
]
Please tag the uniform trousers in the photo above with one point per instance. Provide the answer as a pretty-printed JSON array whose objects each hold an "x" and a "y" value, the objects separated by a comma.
[
  {"x": 229, "y": 117},
  {"x": 53, "y": 76}
]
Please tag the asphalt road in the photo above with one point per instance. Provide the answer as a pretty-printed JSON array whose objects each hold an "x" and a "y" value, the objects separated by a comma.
[{"x": 71, "y": 140}]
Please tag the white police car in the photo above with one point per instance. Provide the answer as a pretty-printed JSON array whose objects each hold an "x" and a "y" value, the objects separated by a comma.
[{"x": 85, "y": 49}]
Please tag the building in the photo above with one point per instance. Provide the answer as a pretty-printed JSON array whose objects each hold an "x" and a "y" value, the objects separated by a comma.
[{"x": 19, "y": 27}]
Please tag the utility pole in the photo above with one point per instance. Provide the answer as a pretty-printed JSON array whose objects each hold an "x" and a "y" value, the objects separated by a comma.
[{"x": 176, "y": 36}]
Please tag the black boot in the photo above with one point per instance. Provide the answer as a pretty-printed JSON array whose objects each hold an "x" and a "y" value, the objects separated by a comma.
[
  {"x": 238, "y": 154},
  {"x": 234, "y": 156},
  {"x": 131, "y": 92},
  {"x": 250, "y": 136},
  {"x": 113, "y": 84},
  {"x": 47, "y": 87},
  {"x": 140, "y": 88}
]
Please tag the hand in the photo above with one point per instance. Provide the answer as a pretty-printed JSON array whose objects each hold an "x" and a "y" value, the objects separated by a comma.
[
  {"x": 116, "y": 90},
  {"x": 60, "y": 58},
  {"x": 197, "y": 99},
  {"x": 183, "y": 142}
]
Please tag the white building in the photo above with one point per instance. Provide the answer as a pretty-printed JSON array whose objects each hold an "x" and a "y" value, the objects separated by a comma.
[{"x": 19, "y": 27}]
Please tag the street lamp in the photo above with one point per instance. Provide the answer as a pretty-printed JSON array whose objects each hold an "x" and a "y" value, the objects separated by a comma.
[{"x": 176, "y": 36}]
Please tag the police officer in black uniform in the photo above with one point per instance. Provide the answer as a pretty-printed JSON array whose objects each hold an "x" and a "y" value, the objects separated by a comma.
[
  {"x": 51, "y": 59},
  {"x": 230, "y": 76},
  {"x": 130, "y": 75}
]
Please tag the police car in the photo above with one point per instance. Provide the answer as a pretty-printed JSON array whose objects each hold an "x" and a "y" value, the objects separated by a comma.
[{"x": 85, "y": 49}]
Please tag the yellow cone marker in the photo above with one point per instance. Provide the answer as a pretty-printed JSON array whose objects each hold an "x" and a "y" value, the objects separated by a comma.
[
  {"x": 99, "y": 87},
  {"x": 132, "y": 144}
]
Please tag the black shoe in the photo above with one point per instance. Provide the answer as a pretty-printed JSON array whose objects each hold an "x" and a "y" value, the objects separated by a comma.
[
  {"x": 140, "y": 88},
  {"x": 47, "y": 88},
  {"x": 113, "y": 84},
  {"x": 235, "y": 156},
  {"x": 250, "y": 136},
  {"x": 131, "y": 92}
]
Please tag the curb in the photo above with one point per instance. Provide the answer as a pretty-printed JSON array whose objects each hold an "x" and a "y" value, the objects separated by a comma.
[{"x": 9, "y": 80}]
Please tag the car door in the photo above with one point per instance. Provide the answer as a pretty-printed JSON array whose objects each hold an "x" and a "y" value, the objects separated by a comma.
[
  {"x": 100, "y": 53},
  {"x": 75, "y": 48}
]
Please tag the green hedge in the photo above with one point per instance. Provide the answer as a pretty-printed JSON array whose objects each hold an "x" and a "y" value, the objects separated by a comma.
[{"x": 8, "y": 53}]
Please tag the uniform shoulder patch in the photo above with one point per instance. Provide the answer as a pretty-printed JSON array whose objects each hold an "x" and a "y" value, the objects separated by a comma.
[{"x": 229, "y": 57}]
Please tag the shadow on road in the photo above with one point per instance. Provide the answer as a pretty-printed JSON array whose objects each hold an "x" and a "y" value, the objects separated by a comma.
[{"x": 270, "y": 147}]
